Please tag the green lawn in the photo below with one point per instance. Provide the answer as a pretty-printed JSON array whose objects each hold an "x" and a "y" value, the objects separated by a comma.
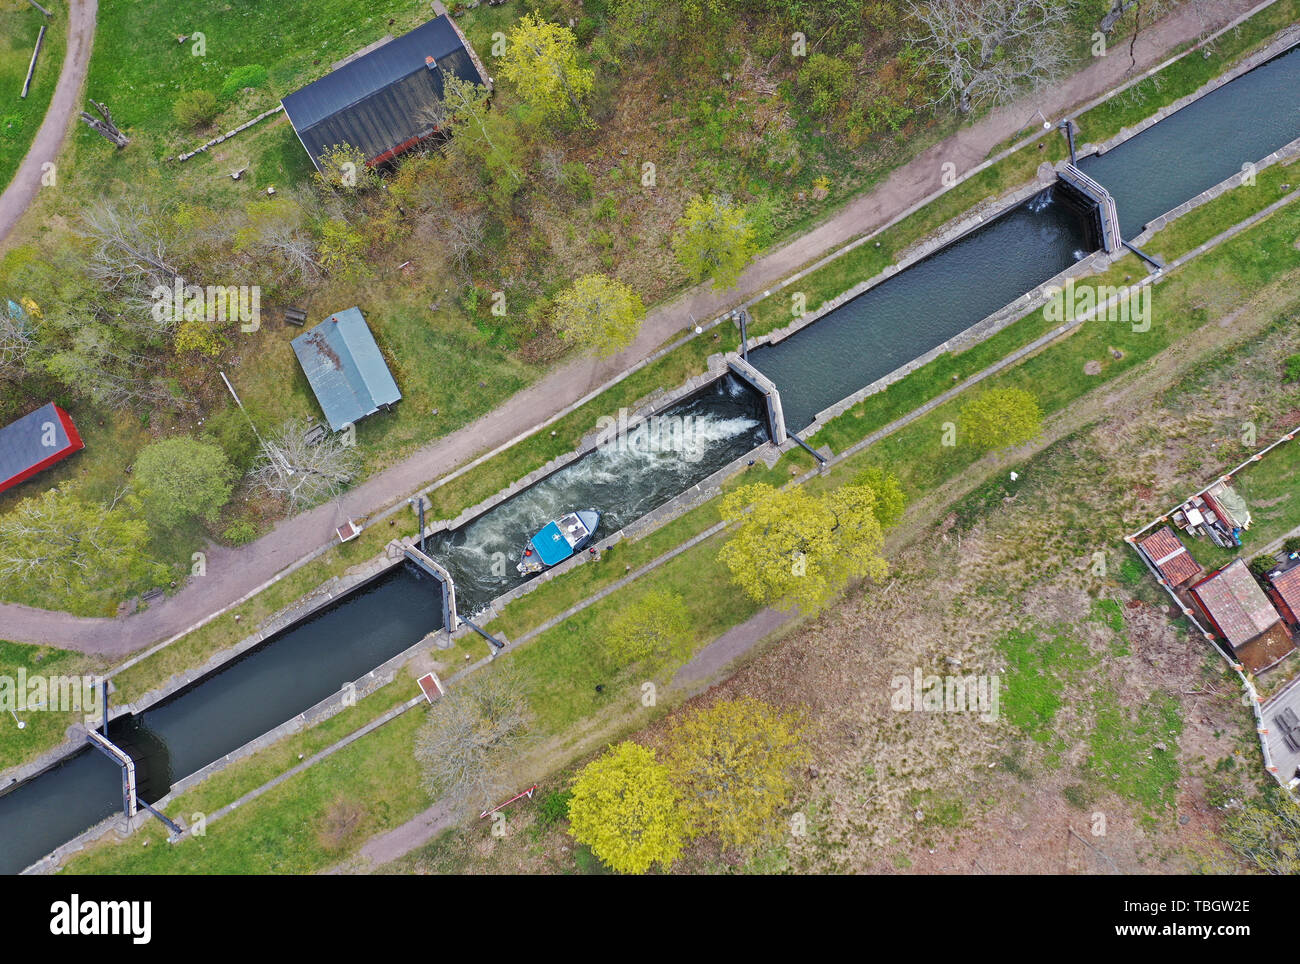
[
  {"x": 44, "y": 728},
  {"x": 20, "y": 23}
]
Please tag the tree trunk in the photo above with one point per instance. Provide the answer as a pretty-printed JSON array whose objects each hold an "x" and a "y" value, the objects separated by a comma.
[{"x": 105, "y": 127}]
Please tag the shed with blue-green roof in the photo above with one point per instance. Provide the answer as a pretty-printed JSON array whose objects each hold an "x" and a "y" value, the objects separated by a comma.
[{"x": 345, "y": 368}]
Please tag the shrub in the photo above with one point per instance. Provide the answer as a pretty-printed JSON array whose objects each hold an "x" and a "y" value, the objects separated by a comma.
[
  {"x": 823, "y": 82},
  {"x": 1001, "y": 417},
  {"x": 240, "y": 532},
  {"x": 182, "y": 478},
  {"x": 578, "y": 178},
  {"x": 1291, "y": 545},
  {"x": 1262, "y": 564},
  {"x": 229, "y": 428},
  {"x": 553, "y": 809},
  {"x": 195, "y": 108}
]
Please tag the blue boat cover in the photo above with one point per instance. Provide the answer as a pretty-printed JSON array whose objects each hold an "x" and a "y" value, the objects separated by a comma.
[{"x": 551, "y": 545}]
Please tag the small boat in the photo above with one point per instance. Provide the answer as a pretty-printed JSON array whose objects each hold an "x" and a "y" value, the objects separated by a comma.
[{"x": 559, "y": 540}]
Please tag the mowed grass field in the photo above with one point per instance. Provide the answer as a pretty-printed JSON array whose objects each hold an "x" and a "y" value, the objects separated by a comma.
[{"x": 20, "y": 24}]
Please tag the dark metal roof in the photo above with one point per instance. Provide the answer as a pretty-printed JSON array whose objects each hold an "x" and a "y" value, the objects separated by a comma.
[
  {"x": 374, "y": 103},
  {"x": 345, "y": 368},
  {"x": 23, "y": 443}
]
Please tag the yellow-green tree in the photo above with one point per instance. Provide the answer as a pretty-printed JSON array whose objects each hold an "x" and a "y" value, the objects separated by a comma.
[
  {"x": 343, "y": 169},
  {"x": 599, "y": 312},
  {"x": 791, "y": 548},
  {"x": 735, "y": 764},
  {"x": 890, "y": 501},
  {"x": 715, "y": 240},
  {"x": 56, "y": 546},
  {"x": 625, "y": 808},
  {"x": 541, "y": 63},
  {"x": 1001, "y": 417},
  {"x": 652, "y": 631}
]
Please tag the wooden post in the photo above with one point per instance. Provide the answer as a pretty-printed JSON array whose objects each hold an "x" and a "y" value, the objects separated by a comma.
[{"x": 31, "y": 68}]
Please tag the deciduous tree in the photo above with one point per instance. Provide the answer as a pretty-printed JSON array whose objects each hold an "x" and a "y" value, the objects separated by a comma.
[
  {"x": 77, "y": 547},
  {"x": 735, "y": 764},
  {"x": 1266, "y": 834},
  {"x": 715, "y": 240},
  {"x": 653, "y": 630},
  {"x": 306, "y": 473},
  {"x": 182, "y": 478},
  {"x": 791, "y": 548},
  {"x": 987, "y": 51},
  {"x": 600, "y": 313},
  {"x": 625, "y": 808},
  {"x": 541, "y": 63},
  {"x": 471, "y": 734}
]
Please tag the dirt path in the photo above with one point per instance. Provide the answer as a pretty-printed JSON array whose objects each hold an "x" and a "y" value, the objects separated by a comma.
[
  {"x": 234, "y": 573},
  {"x": 64, "y": 107}
]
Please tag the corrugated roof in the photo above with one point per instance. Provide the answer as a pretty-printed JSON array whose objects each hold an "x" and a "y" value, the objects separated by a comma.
[
  {"x": 345, "y": 368},
  {"x": 375, "y": 102},
  {"x": 1170, "y": 556},
  {"x": 1236, "y": 603},
  {"x": 23, "y": 442}
]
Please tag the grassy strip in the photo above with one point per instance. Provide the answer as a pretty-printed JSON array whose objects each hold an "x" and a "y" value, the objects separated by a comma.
[
  {"x": 44, "y": 728},
  {"x": 1213, "y": 286},
  {"x": 1186, "y": 76},
  {"x": 569, "y": 589},
  {"x": 20, "y": 119},
  {"x": 289, "y": 829},
  {"x": 1232, "y": 207},
  {"x": 868, "y": 260}
]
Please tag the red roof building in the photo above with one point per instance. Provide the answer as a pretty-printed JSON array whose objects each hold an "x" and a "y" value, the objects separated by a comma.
[
  {"x": 1170, "y": 556},
  {"x": 1235, "y": 604},
  {"x": 35, "y": 442},
  {"x": 1286, "y": 593}
]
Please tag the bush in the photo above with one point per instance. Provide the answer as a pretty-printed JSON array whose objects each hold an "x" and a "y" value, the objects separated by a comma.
[
  {"x": 182, "y": 478},
  {"x": 823, "y": 82},
  {"x": 578, "y": 178},
  {"x": 250, "y": 75},
  {"x": 229, "y": 428},
  {"x": 1260, "y": 565},
  {"x": 1291, "y": 545},
  {"x": 195, "y": 108},
  {"x": 240, "y": 532},
  {"x": 553, "y": 809},
  {"x": 1001, "y": 417}
]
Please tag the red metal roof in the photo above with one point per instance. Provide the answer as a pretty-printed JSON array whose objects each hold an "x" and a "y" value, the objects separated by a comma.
[
  {"x": 35, "y": 442},
  {"x": 1235, "y": 603},
  {"x": 1170, "y": 556}
]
